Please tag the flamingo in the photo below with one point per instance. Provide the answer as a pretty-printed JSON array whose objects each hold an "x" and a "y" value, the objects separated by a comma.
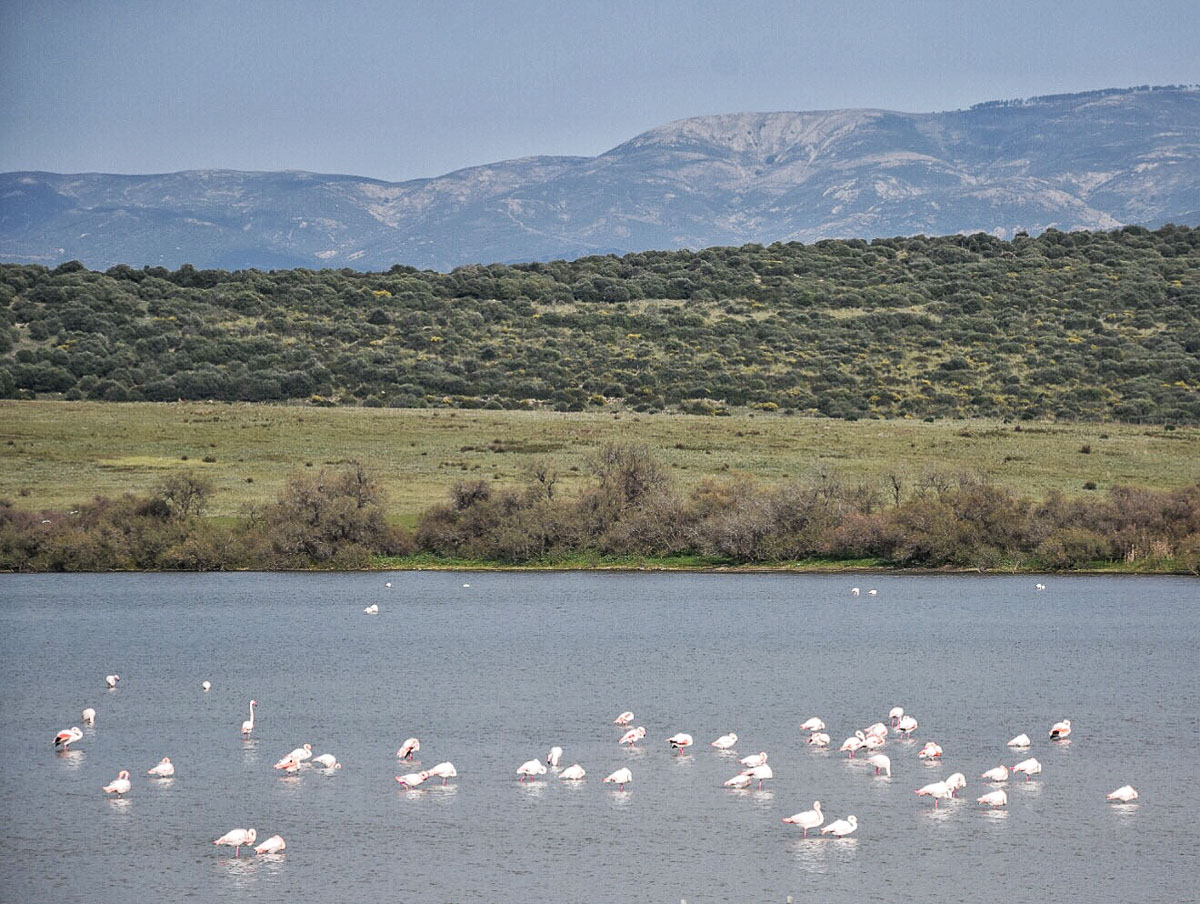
[
  {"x": 680, "y": 741},
  {"x": 272, "y": 845},
  {"x": 739, "y": 781},
  {"x": 1060, "y": 730},
  {"x": 808, "y": 819},
  {"x": 841, "y": 828},
  {"x": 120, "y": 785},
  {"x": 164, "y": 769},
  {"x": 854, "y": 591},
  {"x": 289, "y": 764},
  {"x": 408, "y": 748},
  {"x": 1030, "y": 767},
  {"x": 111, "y": 680},
  {"x": 762, "y": 773},
  {"x": 813, "y": 724},
  {"x": 881, "y": 762},
  {"x": 248, "y": 725},
  {"x": 572, "y": 773},
  {"x": 878, "y": 729},
  {"x": 300, "y": 754},
  {"x": 554, "y": 757},
  {"x": 1124, "y": 794},
  {"x": 443, "y": 771},
  {"x": 725, "y": 741},
  {"x": 873, "y": 741},
  {"x": 956, "y": 781},
  {"x": 1039, "y": 586},
  {"x": 930, "y": 751},
  {"x": 906, "y": 725},
  {"x": 854, "y": 744},
  {"x": 327, "y": 761},
  {"x": 819, "y": 739},
  {"x": 994, "y": 799},
  {"x": 235, "y": 838},
  {"x": 896, "y": 714},
  {"x": 632, "y": 736},
  {"x": 206, "y": 685},
  {"x": 1021, "y": 740},
  {"x": 64, "y": 739},
  {"x": 88, "y": 716},
  {"x": 754, "y": 759},
  {"x": 412, "y": 779},
  {"x": 372, "y": 609},
  {"x": 295, "y": 758},
  {"x": 999, "y": 774},
  {"x": 530, "y": 767},
  {"x": 620, "y": 778},
  {"x": 936, "y": 790},
  {"x": 624, "y": 719}
]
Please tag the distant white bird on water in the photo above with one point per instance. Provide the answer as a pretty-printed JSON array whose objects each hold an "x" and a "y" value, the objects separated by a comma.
[
  {"x": 111, "y": 680},
  {"x": 739, "y": 781},
  {"x": 906, "y": 725},
  {"x": 1060, "y": 730},
  {"x": 408, "y": 748},
  {"x": 930, "y": 751},
  {"x": 882, "y": 763},
  {"x": 1030, "y": 767},
  {"x": 632, "y": 736},
  {"x": 235, "y": 838},
  {"x": 120, "y": 785},
  {"x": 206, "y": 685},
  {"x": 164, "y": 769},
  {"x": 412, "y": 779},
  {"x": 808, "y": 819},
  {"x": 620, "y": 778},
  {"x": 1021, "y": 740},
  {"x": 88, "y": 716},
  {"x": 372, "y": 609},
  {"x": 896, "y": 714},
  {"x": 759, "y": 773},
  {"x": 854, "y": 744},
  {"x": 1124, "y": 794},
  {"x": 956, "y": 781},
  {"x": 872, "y": 592},
  {"x": 936, "y": 790},
  {"x": 443, "y": 771},
  {"x": 854, "y": 591},
  {"x": 572, "y": 773},
  {"x": 842, "y": 827},
  {"x": 819, "y": 739},
  {"x": 273, "y": 845},
  {"x": 248, "y": 725},
  {"x": 624, "y": 719},
  {"x": 1039, "y": 586},
  {"x": 813, "y": 724},
  {"x": 725, "y": 741},
  {"x": 754, "y": 759},
  {"x": 994, "y": 799},
  {"x": 554, "y": 757},
  {"x": 531, "y": 768},
  {"x": 680, "y": 742},
  {"x": 327, "y": 761},
  {"x": 64, "y": 739},
  {"x": 999, "y": 774}
]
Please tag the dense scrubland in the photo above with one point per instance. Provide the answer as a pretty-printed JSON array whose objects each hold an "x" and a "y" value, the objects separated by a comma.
[{"x": 1080, "y": 326}]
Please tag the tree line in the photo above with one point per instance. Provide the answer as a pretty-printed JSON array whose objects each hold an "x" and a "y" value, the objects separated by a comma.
[
  {"x": 1081, "y": 325},
  {"x": 629, "y": 512}
]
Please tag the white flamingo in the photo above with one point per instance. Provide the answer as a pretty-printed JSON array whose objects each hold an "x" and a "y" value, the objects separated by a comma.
[
  {"x": 878, "y": 729},
  {"x": 1021, "y": 741},
  {"x": 739, "y": 781},
  {"x": 327, "y": 761},
  {"x": 408, "y": 748},
  {"x": 754, "y": 759},
  {"x": 273, "y": 845},
  {"x": 111, "y": 680},
  {"x": 302, "y": 753},
  {"x": 88, "y": 716},
  {"x": 854, "y": 744},
  {"x": 873, "y": 742},
  {"x": 1060, "y": 730},
  {"x": 531, "y": 768},
  {"x": 235, "y": 838},
  {"x": 624, "y": 719},
  {"x": 443, "y": 771},
  {"x": 882, "y": 763},
  {"x": 1030, "y": 767},
  {"x": 930, "y": 751},
  {"x": 936, "y": 790},
  {"x": 725, "y": 741},
  {"x": 819, "y": 739},
  {"x": 680, "y": 742},
  {"x": 413, "y": 779},
  {"x": 120, "y": 785},
  {"x": 554, "y": 757},
  {"x": 632, "y": 736},
  {"x": 906, "y": 725},
  {"x": 1124, "y": 794},
  {"x": 854, "y": 591},
  {"x": 813, "y": 724},
  {"x": 808, "y": 819},
  {"x": 759, "y": 773},
  {"x": 620, "y": 778},
  {"x": 955, "y": 781},
  {"x": 64, "y": 739},
  {"x": 164, "y": 769},
  {"x": 248, "y": 725},
  {"x": 842, "y": 827},
  {"x": 999, "y": 774},
  {"x": 994, "y": 798},
  {"x": 572, "y": 773},
  {"x": 372, "y": 609},
  {"x": 206, "y": 685},
  {"x": 896, "y": 715}
]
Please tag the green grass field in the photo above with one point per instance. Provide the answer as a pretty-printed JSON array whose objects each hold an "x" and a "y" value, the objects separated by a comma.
[{"x": 58, "y": 454}]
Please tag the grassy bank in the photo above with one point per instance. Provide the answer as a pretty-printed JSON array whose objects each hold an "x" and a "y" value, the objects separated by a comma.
[{"x": 59, "y": 454}]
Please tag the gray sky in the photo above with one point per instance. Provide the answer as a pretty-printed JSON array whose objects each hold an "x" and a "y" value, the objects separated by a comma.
[{"x": 411, "y": 89}]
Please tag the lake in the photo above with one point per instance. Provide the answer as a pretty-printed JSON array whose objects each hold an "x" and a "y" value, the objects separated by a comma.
[{"x": 495, "y": 673}]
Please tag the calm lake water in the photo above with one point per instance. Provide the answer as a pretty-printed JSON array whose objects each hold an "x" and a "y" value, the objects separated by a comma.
[{"x": 494, "y": 674}]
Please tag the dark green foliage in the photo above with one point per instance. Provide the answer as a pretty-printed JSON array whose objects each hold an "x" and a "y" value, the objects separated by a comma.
[{"x": 1069, "y": 325}]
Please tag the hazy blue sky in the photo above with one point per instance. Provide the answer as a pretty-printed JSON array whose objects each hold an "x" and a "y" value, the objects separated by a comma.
[{"x": 410, "y": 89}]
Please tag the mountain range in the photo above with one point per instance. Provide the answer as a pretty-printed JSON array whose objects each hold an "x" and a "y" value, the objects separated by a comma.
[{"x": 1095, "y": 160}]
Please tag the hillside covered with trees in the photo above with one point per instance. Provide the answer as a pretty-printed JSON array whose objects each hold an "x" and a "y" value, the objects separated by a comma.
[{"x": 1083, "y": 325}]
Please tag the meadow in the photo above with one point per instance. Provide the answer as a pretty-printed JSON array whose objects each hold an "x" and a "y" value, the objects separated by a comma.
[{"x": 58, "y": 454}]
